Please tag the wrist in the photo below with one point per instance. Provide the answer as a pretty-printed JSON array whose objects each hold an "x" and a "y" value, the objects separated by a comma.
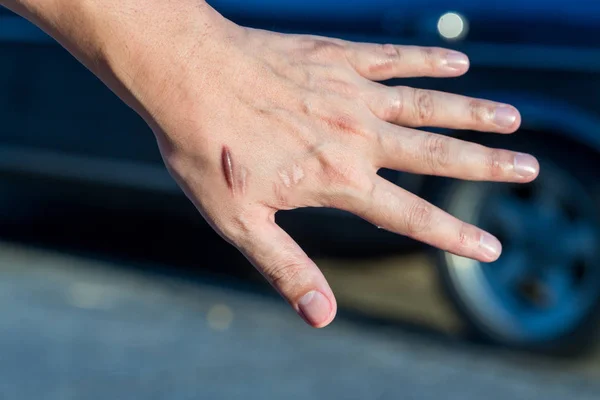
[
  {"x": 148, "y": 50},
  {"x": 140, "y": 46}
]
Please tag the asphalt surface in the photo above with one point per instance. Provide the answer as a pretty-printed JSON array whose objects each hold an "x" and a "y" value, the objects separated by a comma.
[{"x": 73, "y": 327}]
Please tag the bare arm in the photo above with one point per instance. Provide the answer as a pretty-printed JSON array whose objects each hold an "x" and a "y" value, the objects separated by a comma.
[{"x": 250, "y": 122}]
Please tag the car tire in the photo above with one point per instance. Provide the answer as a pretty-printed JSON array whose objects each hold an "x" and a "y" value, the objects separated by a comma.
[{"x": 543, "y": 294}]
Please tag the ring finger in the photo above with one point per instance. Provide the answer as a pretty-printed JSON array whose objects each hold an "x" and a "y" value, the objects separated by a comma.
[{"x": 420, "y": 152}]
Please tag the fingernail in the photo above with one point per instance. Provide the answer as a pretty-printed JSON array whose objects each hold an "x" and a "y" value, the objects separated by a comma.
[
  {"x": 315, "y": 308},
  {"x": 505, "y": 116},
  {"x": 526, "y": 165},
  {"x": 490, "y": 247},
  {"x": 456, "y": 60}
]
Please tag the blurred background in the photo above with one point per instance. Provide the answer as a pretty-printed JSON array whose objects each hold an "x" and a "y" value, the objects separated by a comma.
[{"x": 112, "y": 286}]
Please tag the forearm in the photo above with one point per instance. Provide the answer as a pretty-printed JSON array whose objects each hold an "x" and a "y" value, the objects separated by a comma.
[{"x": 127, "y": 42}]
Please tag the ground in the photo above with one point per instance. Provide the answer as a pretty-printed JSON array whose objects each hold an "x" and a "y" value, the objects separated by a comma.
[{"x": 80, "y": 328}]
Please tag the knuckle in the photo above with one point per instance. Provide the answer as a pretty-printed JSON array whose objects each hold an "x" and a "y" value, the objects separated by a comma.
[
  {"x": 336, "y": 173},
  {"x": 436, "y": 152},
  {"x": 464, "y": 239},
  {"x": 423, "y": 106},
  {"x": 390, "y": 50},
  {"x": 347, "y": 124},
  {"x": 418, "y": 218},
  {"x": 480, "y": 112},
  {"x": 287, "y": 68},
  {"x": 384, "y": 58},
  {"x": 342, "y": 122},
  {"x": 395, "y": 107},
  {"x": 319, "y": 49},
  {"x": 343, "y": 88},
  {"x": 357, "y": 197},
  {"x": 429, "y": 56},
  {"x": 495, "y": 164},
  {"x": 284, "y": 273}
]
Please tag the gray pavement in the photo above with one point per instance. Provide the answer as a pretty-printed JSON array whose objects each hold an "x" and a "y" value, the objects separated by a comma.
[{"x": 73, "y": 328}]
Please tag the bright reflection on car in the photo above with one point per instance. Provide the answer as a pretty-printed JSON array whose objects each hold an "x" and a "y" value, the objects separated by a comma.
[{"x": 452, "y": 26}]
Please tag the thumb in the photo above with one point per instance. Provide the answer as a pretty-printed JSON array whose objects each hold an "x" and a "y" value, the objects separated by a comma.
[{"x": 291, "y": 272}]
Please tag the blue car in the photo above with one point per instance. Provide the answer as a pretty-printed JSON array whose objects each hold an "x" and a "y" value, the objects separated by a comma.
[{"x": 59, "y": 124}]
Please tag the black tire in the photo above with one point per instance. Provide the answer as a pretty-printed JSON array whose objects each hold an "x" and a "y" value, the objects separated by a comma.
[{"x": 571, "y": 336}]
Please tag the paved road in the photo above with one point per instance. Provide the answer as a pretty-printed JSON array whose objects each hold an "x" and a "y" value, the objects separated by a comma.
[{"x": 73, "y": 328}]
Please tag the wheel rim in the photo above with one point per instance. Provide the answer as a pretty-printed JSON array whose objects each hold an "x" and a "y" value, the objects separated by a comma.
[{"x": 547, "y": 280}]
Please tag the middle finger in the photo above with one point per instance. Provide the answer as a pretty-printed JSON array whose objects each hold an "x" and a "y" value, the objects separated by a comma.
[{"x": 411, "y": 107}]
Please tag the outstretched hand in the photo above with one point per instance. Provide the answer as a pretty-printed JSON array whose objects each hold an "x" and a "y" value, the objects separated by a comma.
[
  {"x": 300, "y": 121},
  {"x": 251, "y": 122}
]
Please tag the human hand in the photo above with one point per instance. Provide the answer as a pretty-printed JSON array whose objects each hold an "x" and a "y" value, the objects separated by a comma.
[
  {"x": 297, "y": 121},
  {"x": 251, "y": 122}
]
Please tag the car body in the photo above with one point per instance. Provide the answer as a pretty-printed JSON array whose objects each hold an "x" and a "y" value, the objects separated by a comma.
[{"x": 60, "y": 123}]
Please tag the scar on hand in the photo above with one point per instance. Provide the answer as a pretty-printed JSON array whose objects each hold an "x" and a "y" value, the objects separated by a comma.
[{"x": 234, "y": 176}]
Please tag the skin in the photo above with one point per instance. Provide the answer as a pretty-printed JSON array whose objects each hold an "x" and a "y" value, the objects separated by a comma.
[{"x": 251, "y": 122}]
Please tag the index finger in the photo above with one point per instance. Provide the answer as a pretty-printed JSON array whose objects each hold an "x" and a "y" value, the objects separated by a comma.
[{"x": 381, "y": 62}]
